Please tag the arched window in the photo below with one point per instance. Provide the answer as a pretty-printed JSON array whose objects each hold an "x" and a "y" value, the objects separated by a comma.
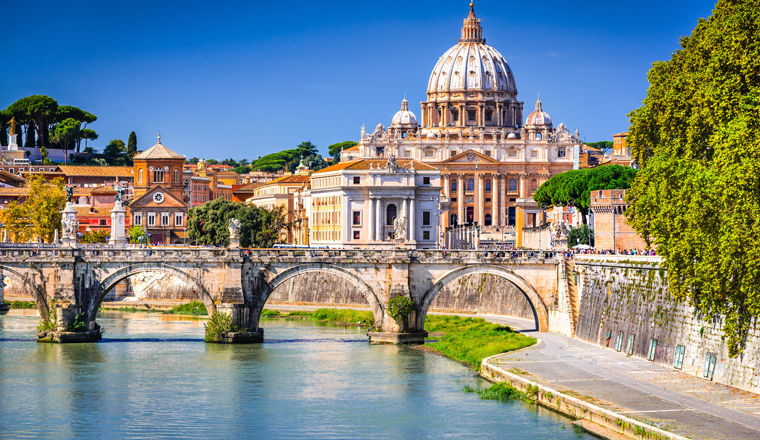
[
  {"x": 513, "y": 184},
  {"x": 453, "y": 220},
  {"x": 390, "y": 214},
  {"x": 158, "y": 175},
  {"x": 533, "y": 184},
  {"x": 140, "y": 175},
  {"x": 538, "y": 136},
  {"x": 453, "y": 185},
  {"x": 470, "y": 184},
  {"x": 176, "y": 176},
  {"x": 488, "y": 185},
  {"x": 488, "y": 220}
]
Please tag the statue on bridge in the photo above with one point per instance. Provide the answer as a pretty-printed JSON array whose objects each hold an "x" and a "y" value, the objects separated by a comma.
[
  {"x": 399, "y": 229},
  {"x": 69, "y": 194},
  {"x": 119, "y": 193},
  {"x": 70, "y": 228},
  {"x": 234, "y": 228}
]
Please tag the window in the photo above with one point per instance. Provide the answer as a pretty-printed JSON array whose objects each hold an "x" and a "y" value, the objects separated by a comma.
[
  {"x": 452, "y": 153},
  {"x": 140, "y": 175},
  {"x": 471, "y": 115},
  {"x": 177, "y": 219},
  {"x": 425, "y": 218},
  {"x": 470, "y": 184},
  {"x": 10, "y": 170},
  {"x": 488, "y": 185},
  {"x": 158, "y": 175},
  {"x": 390, "y": 214},
  {"x": 489, "y": 114},
  {"x": 151, "y": 219},
  {"x": 429, "y": 154},
  {"x": 678, "y": 361},
  {"x": 356, "y": 235},
  {"x": 453, "y": 186},
  {"x": 512, "y": 153},
  {"x": 488, "y": 153},
  {"x": 407, "y": 153},
  {"x": 652, "y": 349},
  {"x": 453, "y": 220},
  {"x": 164, "y": 219},
  {"x": 533, "y": 184},
  {"x": 357, "y": 179},
  {"x": 619, "y": 342},
  {"x": 52, "y": 169},
  {"x": 709, "y": 369},
  {"x": 176, "y": 176},
  {"x": 488, "y": 220},
  {"x": 138, "y": 219},
  {"x": 357, "y": 218},
  {"x": 513, "y": 184},
  {"x": 534, "y": 154},
  {"x": 426, "y": 235},
  {"x": 426, "y": 180},
  {"x": 561, "y": 152}
]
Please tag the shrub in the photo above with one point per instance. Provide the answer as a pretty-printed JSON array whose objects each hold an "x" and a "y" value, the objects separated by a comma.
[
  {"x": 502, "y": 391},
  {"x": 49, "y": 325},
  {"x": 219, "y": 324},
  {"x": 399, "y": 307},
  {"x": 78, "y": 325},
  {"x": 196, "y": 308}
]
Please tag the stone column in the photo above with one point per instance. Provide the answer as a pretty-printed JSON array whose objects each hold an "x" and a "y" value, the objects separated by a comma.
[
  {"x": 481, "y": 200},
  {"x": 69, "y": 226},
  {"x": 460, "y": 199},
  {"x": 494, "y": 200},
  {"x": 523, "y": 186},
  {"x": 118, "y": 230},
  {"x": 371, "y": 219},
  {"x": 446, "y": 186},
  {"x": 378, "y": 220},
  {"x": 503, "y": 201},
  {"x": 3, "y": 308},
  {"x": 412, "y": 224}
]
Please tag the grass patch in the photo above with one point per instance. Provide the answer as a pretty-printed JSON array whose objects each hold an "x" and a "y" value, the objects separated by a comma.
[
  {"x": 503, "y": 392},
  {"x": 21, "y": 304},
  {"x": 132, "y": 309},
  {"x": 194, "y": 308},
  {"x": 470, "y": 340},
  {"x": 327, "y": 316}
]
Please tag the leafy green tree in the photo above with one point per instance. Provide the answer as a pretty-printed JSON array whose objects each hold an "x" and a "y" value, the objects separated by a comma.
[
  {"x": 335, "y": 149},
  {"x": 87, "y": 134},
  {"x": 137, "y": 234},
  {"x": 69, "y": 111},
  {"x": 99, "y": 236},
  {"x": 89, "y": 150},
  {"x": 131, "y": 146},
  {"x": 580, "y": 235},
  {"x": 40, "y": 215},
  {"x": 605, "y": 146},
  {"x": 697, "y": 141},
  {"x": 39, "y": 110},
  {"x": 115, "y": 149},
  {"x": 242, "y": 170},
  {"x": 574, "y": 187},
  {"x": 259, "y": 227},
  {"x": 44, "y": 152},
  {"x": 193, "y": 160},
  {"x": 66, "y": 133}
]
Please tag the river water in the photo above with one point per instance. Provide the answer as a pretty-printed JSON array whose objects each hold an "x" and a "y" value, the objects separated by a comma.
[{"x": 153, "y": 377}]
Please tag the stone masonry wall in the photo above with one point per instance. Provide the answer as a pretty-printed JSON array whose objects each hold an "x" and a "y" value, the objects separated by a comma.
[{"x": 632, "y": 297}]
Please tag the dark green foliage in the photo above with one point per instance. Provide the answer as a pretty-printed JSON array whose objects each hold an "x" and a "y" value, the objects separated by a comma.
[
  {"x": 37, "y": 111},
  {"x": 5, "y": 116},
  {"x": 216, "y": 327},
  {"x": 575, "y": 186},
  {"x": 97, "y": 236},
  {"x": 399, "y": 307},
  {"x": 580, "y": 235},
  {"x": 47, "y": 325},
  {"x": 503, "y": 392},
  {"x": 29, "y": 142},
  {"x": 697, "y": 195},
  {"x": 259, "y": 227},
  {"x": 242, "y": 169},
  {"x": 21, "y": 304},
  {"x": 335, "y": 149},
  {"x": 116, "y": 149},
  {"x": 195, "y": 308},
  {"x": 131, "y": 146},
  {"x": 605, "y": 146},
  {"x": 288, "y": 160},
  {"x": 470, "y": 340},
  {"x": 78, "y": 325}
]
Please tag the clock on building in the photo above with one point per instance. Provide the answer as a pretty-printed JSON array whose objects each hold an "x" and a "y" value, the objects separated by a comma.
[{"x": 158, "y": 197}]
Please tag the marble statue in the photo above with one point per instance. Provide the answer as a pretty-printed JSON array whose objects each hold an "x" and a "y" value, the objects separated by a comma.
[
  {"x": 399, "y": 229},
  {"x": 234, "y": 227}
]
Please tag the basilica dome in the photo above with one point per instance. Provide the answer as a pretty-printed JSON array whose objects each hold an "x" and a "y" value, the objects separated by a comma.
[
  {"x": 472, "y": 65},
  {"x": 404, "y": 118},
  {"x": 539, "y": 116}
]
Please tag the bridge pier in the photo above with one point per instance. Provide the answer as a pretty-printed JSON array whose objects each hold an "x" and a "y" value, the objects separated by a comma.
[
  {"x": 69, "y": 324},
  {"x": 241, "y": 318},
  {"x": 3, "y": 307}
]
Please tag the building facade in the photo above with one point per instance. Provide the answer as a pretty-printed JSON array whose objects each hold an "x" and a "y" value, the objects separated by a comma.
[
  {"x": 472, "y": 130},
  {"x": 355, "y": 204},
  {"x": 611, "y": 229}
]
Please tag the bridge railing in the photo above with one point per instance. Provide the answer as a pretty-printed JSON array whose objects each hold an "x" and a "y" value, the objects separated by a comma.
[{"x": 419, "y": 255}]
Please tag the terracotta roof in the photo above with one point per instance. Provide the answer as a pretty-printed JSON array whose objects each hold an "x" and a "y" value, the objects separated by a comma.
[
  {"x": 105, "y": 189},
  {"x": 354, "y": 148},
  {"x": 249, "y": 188},
  {"x": 589, "y": 147},
  {"x": 159, "y": 151},
  {"x": 364, "y": 164},
  {"x": 84, "y": 170},
  {"x": 625, "y": 133},
  {"x": 23, "y": 191},
  {"x": 11, "y": 178},
  {"x": 220, "y": 166},
  {"x": 86, "y": 211}
]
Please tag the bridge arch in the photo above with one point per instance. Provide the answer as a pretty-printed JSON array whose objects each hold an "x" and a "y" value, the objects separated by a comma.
[
  {"x": 355, "y": 280},
  {"x": 108, "y": 283},
  {"x": 540, "y": 312},
  {"x": 38, "y": 294}
]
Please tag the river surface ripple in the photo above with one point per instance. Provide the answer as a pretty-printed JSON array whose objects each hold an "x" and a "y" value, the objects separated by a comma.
[{"x": 153, "y": 377}]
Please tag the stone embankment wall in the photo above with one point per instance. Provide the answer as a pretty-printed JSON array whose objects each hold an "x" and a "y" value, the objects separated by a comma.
[{"x": 630, "y": 295}]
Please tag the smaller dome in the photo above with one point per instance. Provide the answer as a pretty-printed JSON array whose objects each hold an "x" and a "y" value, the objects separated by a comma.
[
  {"x": 511, "y": 136},
  {"x": 538, "y": 117},
  {"x": 404, "y": 118}
]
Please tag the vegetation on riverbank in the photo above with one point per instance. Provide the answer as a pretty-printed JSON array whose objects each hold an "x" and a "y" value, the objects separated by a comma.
[
  {"x": 193, "y": 308},
  {"x": 470, "y": 340},
  {"x": 21, "y": 304},
  {"x": 327, "y": 316},
  {"x": 501, "y": 391}
]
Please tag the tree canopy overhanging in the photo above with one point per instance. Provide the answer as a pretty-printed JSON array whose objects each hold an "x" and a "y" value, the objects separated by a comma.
[
  {"x": 697, "y": 140},
  {"x": 259, "y": 227}
]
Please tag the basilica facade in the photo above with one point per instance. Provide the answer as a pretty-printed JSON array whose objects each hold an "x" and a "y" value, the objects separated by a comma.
[{"x": 472, "y": 130}]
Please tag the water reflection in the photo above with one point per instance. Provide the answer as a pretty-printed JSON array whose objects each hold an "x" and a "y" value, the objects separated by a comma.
[{"x": 152, "y": 378}]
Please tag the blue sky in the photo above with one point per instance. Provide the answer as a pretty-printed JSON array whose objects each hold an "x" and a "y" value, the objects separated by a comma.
[{"x": 243, "y": 79}]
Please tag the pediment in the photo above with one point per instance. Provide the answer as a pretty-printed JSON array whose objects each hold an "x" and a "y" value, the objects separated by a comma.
[
  {"x": 471, "y": 156},
  {"x": 147, "y": 201}
]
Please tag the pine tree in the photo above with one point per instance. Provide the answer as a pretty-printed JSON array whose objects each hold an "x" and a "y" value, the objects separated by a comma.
[
  {"x": 131, "y": 146},
  {"x": 29, "y": 142}
]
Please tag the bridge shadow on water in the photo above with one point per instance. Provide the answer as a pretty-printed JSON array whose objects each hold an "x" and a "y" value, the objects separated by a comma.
[{"x": 153, "y": 340}]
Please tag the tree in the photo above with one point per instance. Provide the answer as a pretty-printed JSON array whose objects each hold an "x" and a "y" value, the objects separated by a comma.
[
  {"x": 697, "y": 195},
  {"x": 5, "y": 117},
  {"x": 44, "y": 152},
  {"x": 98, "y": 236},
  {"x": 87, "y": 134},
  {"x": 605, "y": 146},
  {"x": 115, "y": 149},
  {"x": 136, "y": 233},
  {"x": 89, "y": 150},
  {"x": 574, "y": 187},
  {"x": 131, "y": 146},
  {"x": 242, "y": 170},
  {"x": 580, "y": 235},
  {"x": 40, "y": 215},
  {"x": 335, "y": 149},
  {"x": 30, "y": 130},
  {"x": 193, "y": 160},
  {"x": 259, "y": 227},
  {"x": 37, "y": 109},
  {"x": 65, "y": 134},
  {"x": 84, "y": 118}
]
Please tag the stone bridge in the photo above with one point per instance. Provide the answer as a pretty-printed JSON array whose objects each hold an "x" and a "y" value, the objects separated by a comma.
[{"x": 239, "y": 282}]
